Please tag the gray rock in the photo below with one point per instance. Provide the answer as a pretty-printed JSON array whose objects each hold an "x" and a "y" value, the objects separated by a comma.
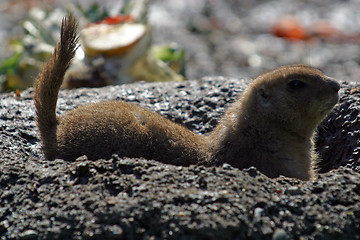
[
  {"x": 294, "y": 191},
  {"x": 29, "y": 234},
  {"x": 143, "y": 199},
  {"x": 280, "y": 234}
]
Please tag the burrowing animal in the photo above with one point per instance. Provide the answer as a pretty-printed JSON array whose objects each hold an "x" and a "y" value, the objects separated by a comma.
[{"x": 271, "y": 126}]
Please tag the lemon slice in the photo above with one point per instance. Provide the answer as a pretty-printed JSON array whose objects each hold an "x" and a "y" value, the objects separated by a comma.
[{"x": 111, "y": 40}]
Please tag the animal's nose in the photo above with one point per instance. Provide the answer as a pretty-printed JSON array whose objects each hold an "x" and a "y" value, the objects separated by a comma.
[{"x": 334, "y": 84}]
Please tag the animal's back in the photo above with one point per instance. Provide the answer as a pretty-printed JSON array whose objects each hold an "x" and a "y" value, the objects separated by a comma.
[{"x": 102, "y": 129}]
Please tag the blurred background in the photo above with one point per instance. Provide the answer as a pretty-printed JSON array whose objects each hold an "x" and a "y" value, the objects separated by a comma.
[{"x": 233, "y": 38}]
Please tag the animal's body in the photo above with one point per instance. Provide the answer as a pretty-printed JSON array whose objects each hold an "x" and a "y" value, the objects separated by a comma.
[{"x": 270, "y": 127}]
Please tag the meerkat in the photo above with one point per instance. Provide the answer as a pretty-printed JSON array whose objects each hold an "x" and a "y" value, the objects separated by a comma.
[{"x": 271, "y": 126}]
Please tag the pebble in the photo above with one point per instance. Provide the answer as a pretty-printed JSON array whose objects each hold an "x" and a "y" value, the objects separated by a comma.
[
  {"x": 115, "y": 231},
  {"x": 294, "y": 191},
  {"x": 280, "y": 234},
  {"x": 227, "y": 166},
  {"x": 29, "y": 234},
  {"x": 253, "y": 172},
  {"x": 258, "y": 213}
]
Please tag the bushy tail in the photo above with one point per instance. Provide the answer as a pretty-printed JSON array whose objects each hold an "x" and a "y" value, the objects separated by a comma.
[{"x": 48, "y": 82}]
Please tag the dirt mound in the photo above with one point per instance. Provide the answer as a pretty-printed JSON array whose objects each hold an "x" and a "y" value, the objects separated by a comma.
[{"x": 121, "y": 198}]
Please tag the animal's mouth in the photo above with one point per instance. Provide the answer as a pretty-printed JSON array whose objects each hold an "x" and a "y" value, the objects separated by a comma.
[
  {"x": 326, "y": 111},
  {"x": 329, "y": 105}
]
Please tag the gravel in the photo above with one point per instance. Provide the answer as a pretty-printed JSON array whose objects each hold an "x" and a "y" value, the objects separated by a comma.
[{"x": 122, "y": 198}]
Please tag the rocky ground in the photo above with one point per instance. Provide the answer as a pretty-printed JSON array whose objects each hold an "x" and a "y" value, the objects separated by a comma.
[{"x": 143, "y": 199}]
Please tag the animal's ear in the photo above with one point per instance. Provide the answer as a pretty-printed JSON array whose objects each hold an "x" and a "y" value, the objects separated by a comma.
[{"x": 263, "y": 97}]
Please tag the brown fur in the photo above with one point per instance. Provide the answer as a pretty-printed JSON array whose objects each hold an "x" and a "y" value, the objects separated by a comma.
[
  {"x": 48, "y": 83},
  {"x": 271, "y": 126}
]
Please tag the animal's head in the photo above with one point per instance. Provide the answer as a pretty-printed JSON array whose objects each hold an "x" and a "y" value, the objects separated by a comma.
[{"x": 299, "y": 96}]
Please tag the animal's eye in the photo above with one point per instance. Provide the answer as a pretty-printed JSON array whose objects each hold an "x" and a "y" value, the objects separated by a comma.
[{"x": 296, "y": 84}]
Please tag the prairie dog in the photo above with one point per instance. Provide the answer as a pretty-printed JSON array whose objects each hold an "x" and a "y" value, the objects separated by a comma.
[
  {"x": 102, "y": 129},
  {"x": 270, "y": 127}
]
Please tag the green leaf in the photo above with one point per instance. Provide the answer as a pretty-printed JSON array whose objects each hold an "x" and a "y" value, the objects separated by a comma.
[
  {"x": 93, "y": 13},
  {"x": 11, "y": 64},
  {"x": 168, "y": 52}
]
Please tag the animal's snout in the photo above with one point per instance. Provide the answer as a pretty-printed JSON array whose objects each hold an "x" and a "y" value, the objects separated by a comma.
[{"x": 333, "y": 84}]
